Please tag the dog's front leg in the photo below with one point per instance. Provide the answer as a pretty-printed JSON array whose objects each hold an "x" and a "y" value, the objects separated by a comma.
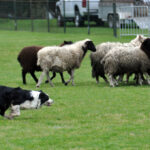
[{"x": 15, "y": 111}]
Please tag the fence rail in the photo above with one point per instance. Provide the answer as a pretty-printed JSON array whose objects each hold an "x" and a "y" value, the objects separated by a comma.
[
  {"x": 43, "y": 15},
  {"x": 136, "y": 21}
]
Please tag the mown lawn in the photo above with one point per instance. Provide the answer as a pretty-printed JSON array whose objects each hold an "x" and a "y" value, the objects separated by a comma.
[{"x": 86, "y": 116}]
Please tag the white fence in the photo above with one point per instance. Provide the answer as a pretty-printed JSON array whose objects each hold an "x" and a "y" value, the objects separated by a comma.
[{"x": 136, "y": 22}]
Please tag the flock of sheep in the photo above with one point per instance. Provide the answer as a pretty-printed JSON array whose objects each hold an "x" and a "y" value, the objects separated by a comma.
[{"x": 113, "y": 59}]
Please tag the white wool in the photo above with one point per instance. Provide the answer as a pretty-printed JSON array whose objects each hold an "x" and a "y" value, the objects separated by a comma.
[
  {"x": 129, "y": 59},
  {"x": 66, "y": 57},
  {"x": 59, "y": 59},
  {"x": 104, "y": 48}
]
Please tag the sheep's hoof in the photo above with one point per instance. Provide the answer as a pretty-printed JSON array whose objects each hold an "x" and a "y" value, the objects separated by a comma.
[
  {"x": 37, "y": 86},
  {"x": 66, "y": 84},
  {"x": 46, "y": 81},
  {"x": 112, "y": 85},
  {"x": 97, "y": 82}
]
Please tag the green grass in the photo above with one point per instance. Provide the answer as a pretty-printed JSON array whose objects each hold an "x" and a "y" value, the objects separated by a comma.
[{"x": 86, "y": 116}]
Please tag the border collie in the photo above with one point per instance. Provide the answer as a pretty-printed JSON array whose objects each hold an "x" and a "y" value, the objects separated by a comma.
[{"x": 17, "y": 98}]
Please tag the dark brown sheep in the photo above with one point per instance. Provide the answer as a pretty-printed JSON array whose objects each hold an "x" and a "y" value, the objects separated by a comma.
[{"x": 28, "y": 61}]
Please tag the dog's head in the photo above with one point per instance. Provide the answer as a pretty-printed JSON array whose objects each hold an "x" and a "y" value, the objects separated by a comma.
[{"x": 44, "y": 99}]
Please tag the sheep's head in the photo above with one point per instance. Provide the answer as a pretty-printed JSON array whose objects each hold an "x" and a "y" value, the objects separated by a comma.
[
  {"x": 89, "y": 45},
  {"x": 145, "y": 46},
  {"x": 138, "y": 40}
]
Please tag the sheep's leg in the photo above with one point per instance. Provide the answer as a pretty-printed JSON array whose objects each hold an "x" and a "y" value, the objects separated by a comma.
[
  {"x": 71, "y": 77},
  {"x": 40, "y": 79},
  {"x": 49, "y": 79},
  {"x": 127, "y": 78},
  {"x": 136, "y": 77},
  {"x": 54, "y": 75},
  {"x": 97, "y": 79},
  {"x": 139, "y": 79},
  {"x": 147, "y": 78},
  {"x": 115, "y": 81},
  {"x": 62, "y": 78},
  {"x": 142, "y": 76},
  {"x": 24, "y": 76},
  {"x": 2, "y": 112},
  {"x": 120, "y": 79},
  {"x": 104, "y": 77},
  {"x": 111, "y": 81},
  {"x": 34, "y": 77}
]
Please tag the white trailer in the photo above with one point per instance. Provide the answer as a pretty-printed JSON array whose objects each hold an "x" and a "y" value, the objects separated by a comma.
[{"x": 105, "y": 11}]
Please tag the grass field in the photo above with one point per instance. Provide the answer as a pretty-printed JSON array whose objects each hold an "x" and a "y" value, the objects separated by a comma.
[{"x": 86, "y": 116}]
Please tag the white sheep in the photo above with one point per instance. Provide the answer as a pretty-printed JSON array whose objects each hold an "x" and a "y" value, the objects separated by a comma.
[
  {"x": 122, "y": 60},
  {"x": 102, "y": 49},
  {"x": 60, "y": 59}
]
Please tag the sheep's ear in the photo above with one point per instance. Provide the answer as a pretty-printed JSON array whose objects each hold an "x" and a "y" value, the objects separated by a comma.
[{"x": 140, "y": 38}]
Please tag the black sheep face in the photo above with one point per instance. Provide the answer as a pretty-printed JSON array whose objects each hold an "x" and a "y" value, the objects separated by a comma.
[
  {"x": 146, "y": 45},
  {"x": 90, "y": 46}
]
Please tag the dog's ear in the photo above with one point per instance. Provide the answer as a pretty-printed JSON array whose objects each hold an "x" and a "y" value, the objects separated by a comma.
[{"x": 41, "y": 95}]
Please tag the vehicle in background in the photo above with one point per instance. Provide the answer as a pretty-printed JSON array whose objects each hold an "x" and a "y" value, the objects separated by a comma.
[
  {"x": 76, "y": 11},
  {"x": 105, "y": 11}
]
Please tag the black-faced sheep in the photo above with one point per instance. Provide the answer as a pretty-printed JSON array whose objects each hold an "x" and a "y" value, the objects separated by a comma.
[
  {"x": 102, "y": 49},
  {"x": 60, "y": 59},
  {"x": 28, "y": 61},
  {"x": 128, "y": 60}
]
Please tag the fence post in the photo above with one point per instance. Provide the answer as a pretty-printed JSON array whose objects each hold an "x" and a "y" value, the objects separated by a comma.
[
  {"x": 32, "y": 26},
  {"x": 88, "y": 18},
  {"x": 114, "y": 19},
  {"x": 48, "y": 15},
  {"x": 64, "y": 16},
  {"x": 15, "y": 15}
]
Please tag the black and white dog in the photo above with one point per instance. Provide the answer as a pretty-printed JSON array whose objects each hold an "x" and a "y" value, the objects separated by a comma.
[{"x": 17, "y": 98}]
